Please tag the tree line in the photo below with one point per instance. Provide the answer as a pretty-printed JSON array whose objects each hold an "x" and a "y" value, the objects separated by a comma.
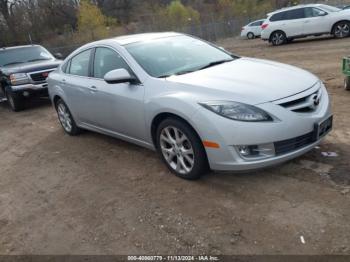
[{"x": 75, "y": 21}]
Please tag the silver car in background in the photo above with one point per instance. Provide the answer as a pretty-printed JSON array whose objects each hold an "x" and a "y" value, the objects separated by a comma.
[{"x": 201, "y": 107}]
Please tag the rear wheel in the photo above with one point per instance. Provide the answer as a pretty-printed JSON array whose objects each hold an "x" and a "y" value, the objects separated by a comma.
[
  {"x": 15, "y": 100},
  {"x": 347, "y": 83},
  {"x": 341, "y": 29},
  {"x": 250, "y": 35},
  {"x": 181, "y": 149},
  {"x": 66, "y": 119},
  {"x": 278, "y": 38}
]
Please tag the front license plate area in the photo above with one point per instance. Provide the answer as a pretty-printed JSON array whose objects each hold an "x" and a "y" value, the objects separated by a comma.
[{"x": 323, "y": 128}]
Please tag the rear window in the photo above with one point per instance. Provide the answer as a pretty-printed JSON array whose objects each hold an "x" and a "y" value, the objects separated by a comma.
[{"x": 23, "y": 55}]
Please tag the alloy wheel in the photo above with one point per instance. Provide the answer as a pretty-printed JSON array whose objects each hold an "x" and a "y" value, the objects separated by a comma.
[
  {"x": 65, "y": 117},
  {"x": 278, "y": 38},
  {"x": 342, "y": 30},
  {"x": 177, "y": 150}
]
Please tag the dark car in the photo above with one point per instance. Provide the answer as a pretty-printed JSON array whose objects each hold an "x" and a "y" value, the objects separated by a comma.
[{"x": 23, "y": 73}]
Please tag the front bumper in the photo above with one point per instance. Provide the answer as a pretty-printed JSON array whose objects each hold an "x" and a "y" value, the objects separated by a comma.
[
  {"x": 230, "y": 134},
  {"x": 30, "y": 87}
]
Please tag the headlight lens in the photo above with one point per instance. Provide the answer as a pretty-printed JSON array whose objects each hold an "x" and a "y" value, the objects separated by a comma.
[
  {"x": 237, "y": 111},
  {"x": 19, "y": 79}
]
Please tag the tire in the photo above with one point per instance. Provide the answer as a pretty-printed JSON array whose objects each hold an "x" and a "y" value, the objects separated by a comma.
[
  {"x": 66, "y": 119},
  {"x": 181, "y": 149},
  {"x": 278, "y": 38},
  {"x": 341, "y": 29},
  {"x": 250, "y": 36},
  {"x": 347, "y": 83},
  {"x": 15, "y": 100}
]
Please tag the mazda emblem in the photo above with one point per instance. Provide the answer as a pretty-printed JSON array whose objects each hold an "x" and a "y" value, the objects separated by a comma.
[{"x": 316, "y": 100}]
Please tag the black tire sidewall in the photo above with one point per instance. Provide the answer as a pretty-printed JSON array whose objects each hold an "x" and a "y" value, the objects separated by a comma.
[
  {"x": 201, "y": 166},
  {"x": 75, "y": 129},
  {"x": 347, "y": 83},
  {"x": 250, "y": 36},
  {"x": 17, "y": 99}
]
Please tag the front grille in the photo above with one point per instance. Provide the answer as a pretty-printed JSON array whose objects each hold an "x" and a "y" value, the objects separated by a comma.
[
  {"x": 290, "y": 145},
  {"x": 40, "y": 77},
  {"x": 305, "y": 104}
]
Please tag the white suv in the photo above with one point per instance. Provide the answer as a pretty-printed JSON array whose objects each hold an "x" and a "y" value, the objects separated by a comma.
[{"x": 305, "y": 20}]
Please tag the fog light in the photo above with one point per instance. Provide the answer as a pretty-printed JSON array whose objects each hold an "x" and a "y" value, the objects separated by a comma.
[
  {"x": 248, "y": 150},
  {"x": 26, "y": 93}
]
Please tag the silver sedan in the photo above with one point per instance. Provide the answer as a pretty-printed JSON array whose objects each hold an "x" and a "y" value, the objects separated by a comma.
[{"x": 198, "y": 105}]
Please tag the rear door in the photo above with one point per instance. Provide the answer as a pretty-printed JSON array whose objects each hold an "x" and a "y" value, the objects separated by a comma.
[
  {"x": 294, "y": 21},
  {"x": 76, "y": 84}
]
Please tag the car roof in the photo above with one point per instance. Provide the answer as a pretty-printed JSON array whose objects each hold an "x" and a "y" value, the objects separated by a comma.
[
  {"x": 293, "y": 7},
  {"x": 16, "y": 47},
  {"x": 129, "y": 39}
]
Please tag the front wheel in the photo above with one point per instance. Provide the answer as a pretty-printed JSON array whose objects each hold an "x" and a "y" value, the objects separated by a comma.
[
  {"x": 181, "y": 149},
  {"x": 347, "y": 83},
  {"x": 66, "y": 119},
  {"x": 15, "y": 100},
  {"x": 278, "y": 38},
  {"x": 341, "y": 30}
]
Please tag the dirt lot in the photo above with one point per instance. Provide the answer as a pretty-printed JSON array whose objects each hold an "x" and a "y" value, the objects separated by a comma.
[{"x": 97, "y": 195}]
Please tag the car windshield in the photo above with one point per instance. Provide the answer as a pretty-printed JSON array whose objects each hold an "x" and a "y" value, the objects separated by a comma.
[
  {"x": 176, "y": 55},
  {"x": 329, "y": 8},
  {"x": 23, "y": 55}
]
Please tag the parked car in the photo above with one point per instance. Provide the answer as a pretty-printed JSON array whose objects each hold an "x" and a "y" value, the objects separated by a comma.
[
  {"x": 252, "y": 30},
  {"x": 305, "y": 20},
  {"x": 23, "y": 73},
  {"x": 200, "y": 106}
]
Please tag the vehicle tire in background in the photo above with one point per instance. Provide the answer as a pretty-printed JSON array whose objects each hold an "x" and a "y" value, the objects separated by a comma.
[
  {"x": 66, "y": 119},
  {"x": 250, "y": 36},
  {"x": 15, "y": 100},
  {"x": 341, "y": 29},
  {"x": 278, "y": 38},
  {"x": 181, "y": 149},
  {"x": 347, "y": 83}
]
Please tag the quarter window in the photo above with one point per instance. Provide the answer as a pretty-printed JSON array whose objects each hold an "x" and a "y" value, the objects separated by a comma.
[
  {"x": 107, "y": 60},
  {"x": 80, "y": 64},
  {"x": 278, "y": 17}
]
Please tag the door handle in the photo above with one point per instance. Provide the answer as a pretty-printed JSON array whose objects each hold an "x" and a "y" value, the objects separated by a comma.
[
  {"x": 63, "y": 81},
  {"x": 93, "y": 89}
]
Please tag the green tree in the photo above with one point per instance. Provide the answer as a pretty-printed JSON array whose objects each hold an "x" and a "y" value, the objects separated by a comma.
[
  {"x": 91, "y": 21},
  {"x": 176, "y": 15}
]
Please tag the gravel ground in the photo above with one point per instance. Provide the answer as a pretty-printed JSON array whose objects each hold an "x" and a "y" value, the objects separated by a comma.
[{"x": 97, "y": 195}]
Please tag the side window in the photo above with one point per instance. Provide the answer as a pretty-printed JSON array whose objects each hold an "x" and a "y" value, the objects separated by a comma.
[
  {"x": 278, "y": 17},
  {"x": 295, "y": 14},
  {"x": 313, "y": 12},
  {"x": 107, "y": 60},
  {"x": 261, "y": 22},
  {"x": 79, "y": 64}
]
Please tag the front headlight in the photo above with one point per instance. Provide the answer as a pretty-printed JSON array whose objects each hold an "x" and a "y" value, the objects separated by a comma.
[
  {"x": 19, "y": 79},
  {"x": 237, "y": 111}
]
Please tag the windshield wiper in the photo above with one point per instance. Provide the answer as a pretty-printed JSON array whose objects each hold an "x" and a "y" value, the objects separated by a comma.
[
  {"x": 215, "y": 63},
  {"x": 38, "y": 59},
  {"x": 13, "y": 63}
]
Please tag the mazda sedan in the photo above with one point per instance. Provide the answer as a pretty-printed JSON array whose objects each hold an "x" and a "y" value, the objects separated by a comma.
[{"x": 198, "y": 105}]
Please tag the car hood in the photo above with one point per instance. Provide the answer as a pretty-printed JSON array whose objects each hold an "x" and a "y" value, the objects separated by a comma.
[
  {"x": 246, "y": 79},
  {"x": 30, "y": 67}
]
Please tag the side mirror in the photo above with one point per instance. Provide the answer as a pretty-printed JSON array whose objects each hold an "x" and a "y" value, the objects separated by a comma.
[
  {"x": 58, "y": 56},
  {"x": 119, "y": 76},
  {"x": 323, "y": 13}
]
